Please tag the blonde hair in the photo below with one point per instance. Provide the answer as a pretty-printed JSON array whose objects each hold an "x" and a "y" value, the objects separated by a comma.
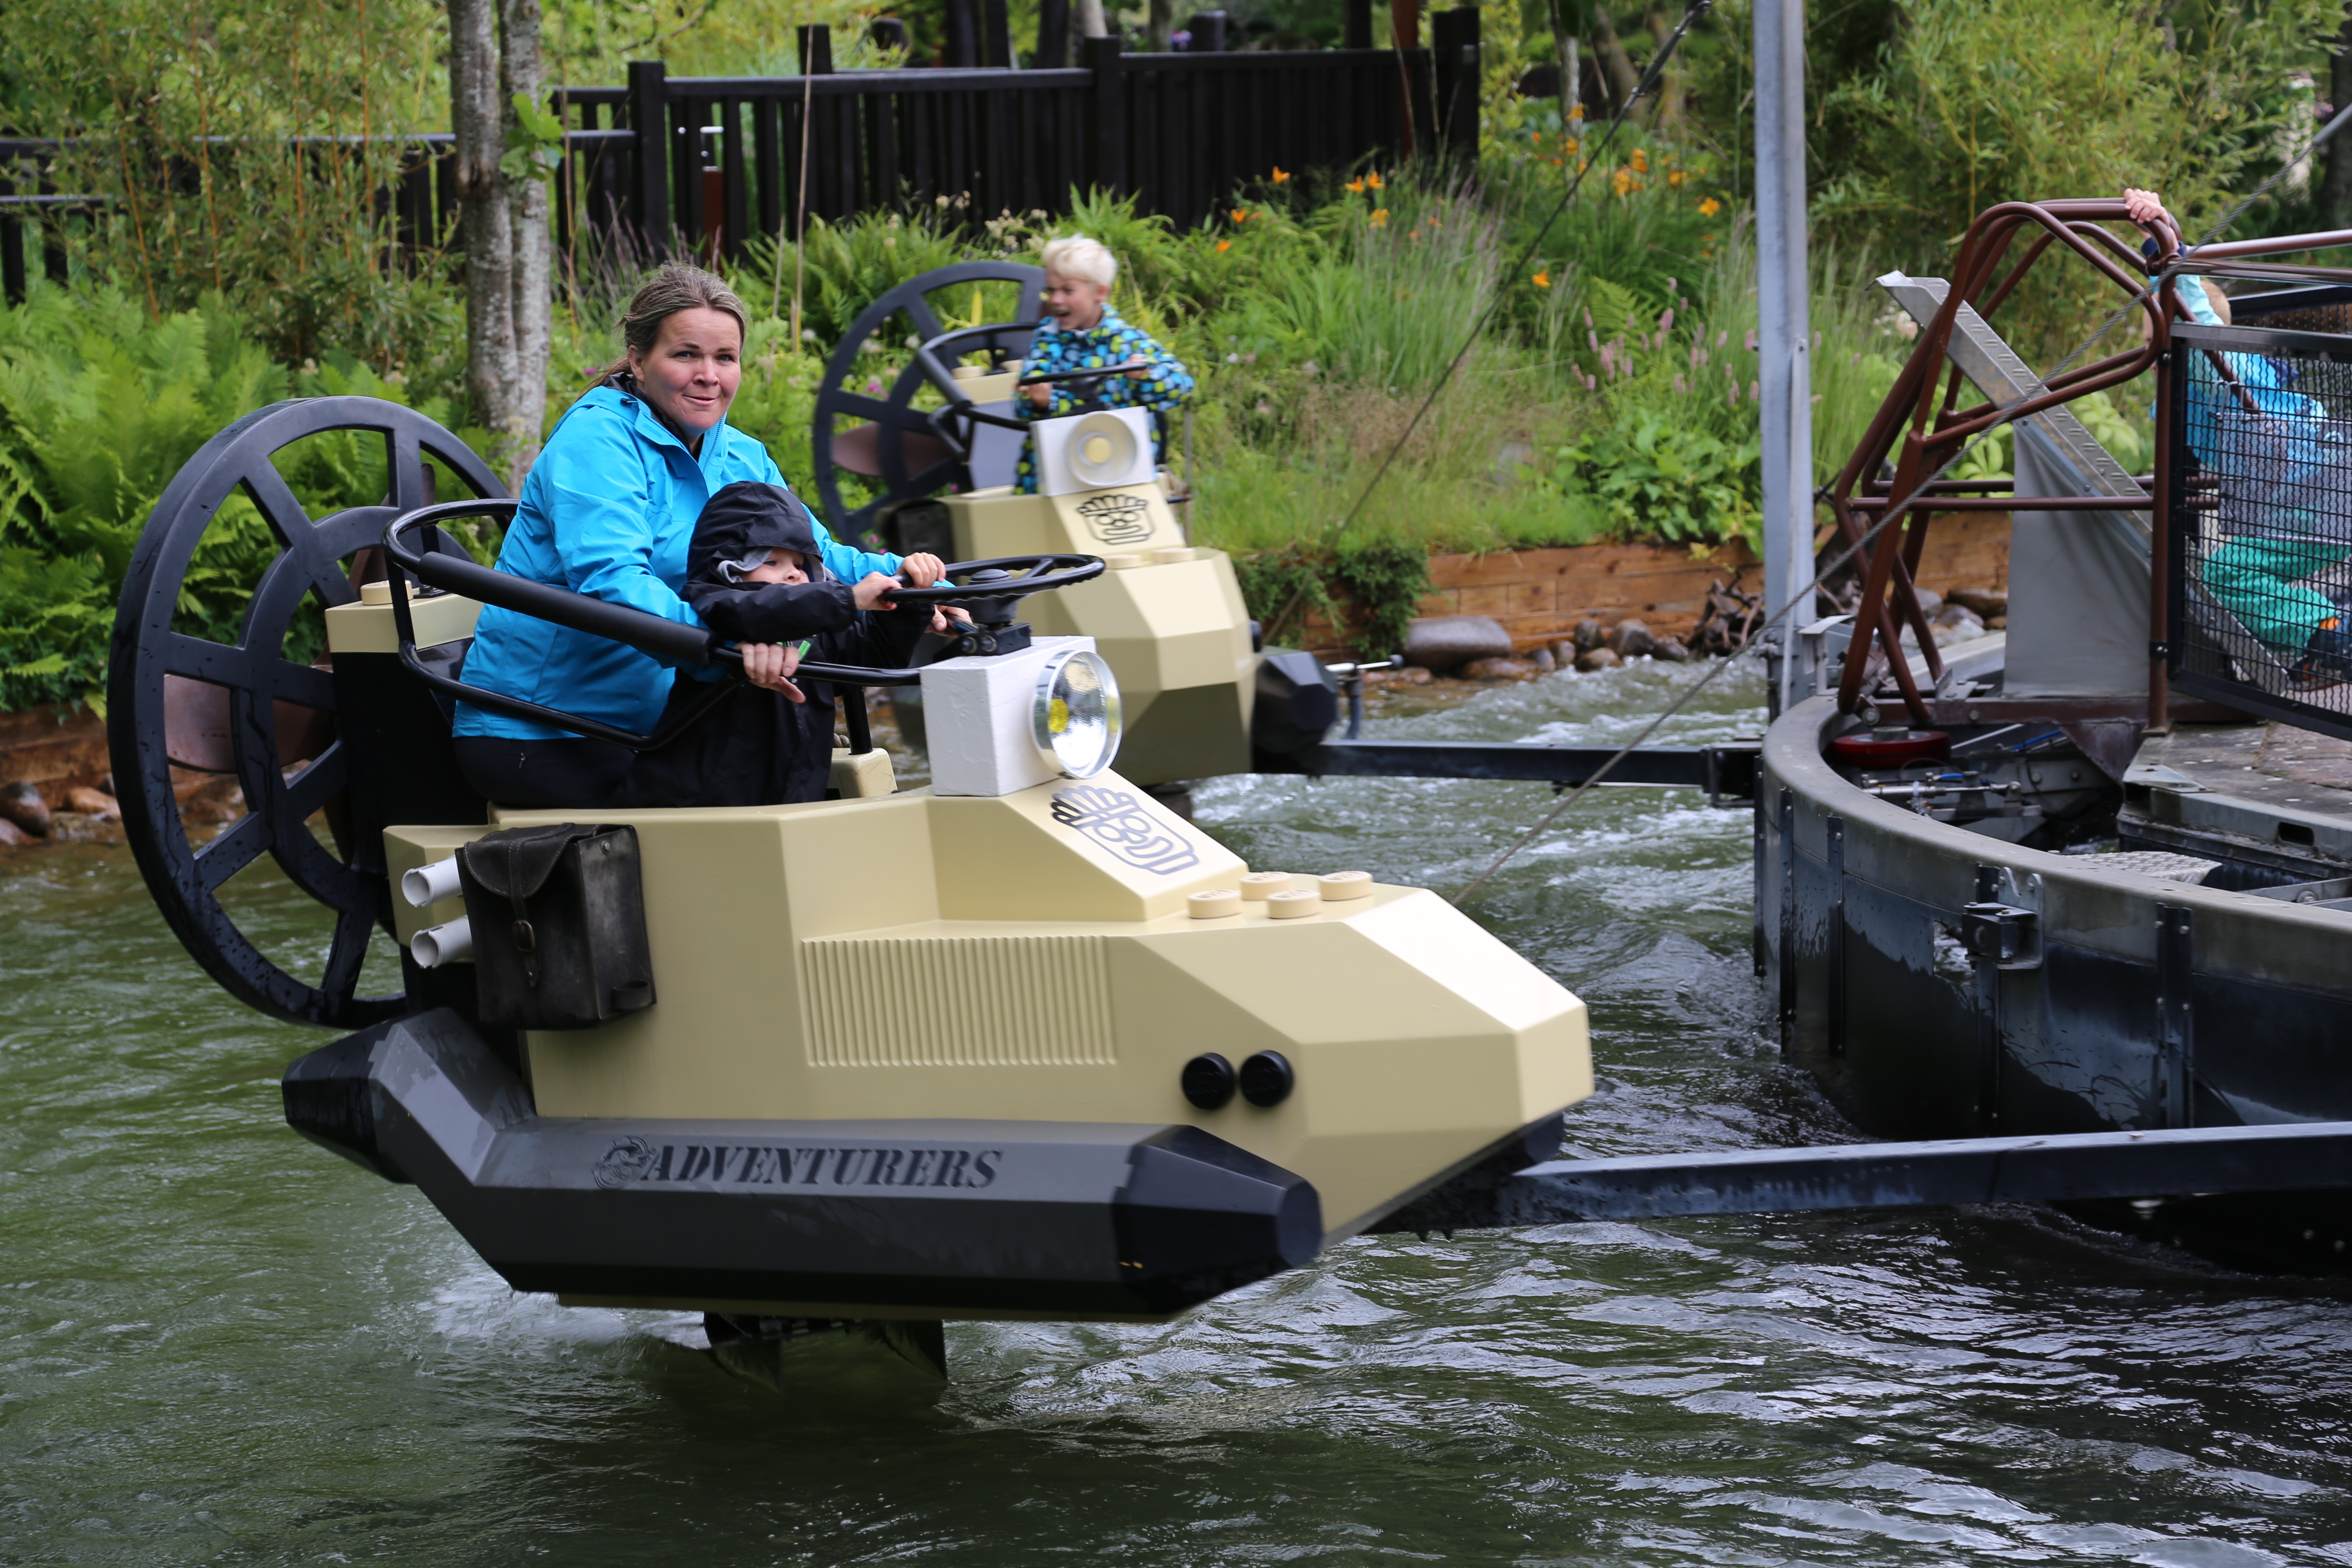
[
  {"x": 674, "y": 287},
  {"x": 1075, "y": 256}
]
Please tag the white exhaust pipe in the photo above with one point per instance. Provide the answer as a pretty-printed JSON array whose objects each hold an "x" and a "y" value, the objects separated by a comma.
[
  {"x": 437, "y": 945},
  {"x": 430, "y": 884}
]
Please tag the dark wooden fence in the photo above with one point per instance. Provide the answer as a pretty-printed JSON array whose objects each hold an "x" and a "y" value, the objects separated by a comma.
[{"x": 690, "y": 165}]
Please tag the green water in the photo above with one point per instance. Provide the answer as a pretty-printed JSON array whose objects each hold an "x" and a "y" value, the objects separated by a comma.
[{"x": 220, "y": 1344}]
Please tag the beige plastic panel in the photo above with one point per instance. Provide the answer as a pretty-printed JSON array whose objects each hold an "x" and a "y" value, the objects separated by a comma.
[
  {"x": 862, "y": 773},
  {"x": 913, "y": 956},
  {"x": 1171, "y": 620},
  {"x": 370, "y": 628},
  {"x": 406, "y": 849}
]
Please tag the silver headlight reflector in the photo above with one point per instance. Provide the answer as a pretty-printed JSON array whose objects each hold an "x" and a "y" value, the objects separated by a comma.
[{"x": 1076, "y": 716}]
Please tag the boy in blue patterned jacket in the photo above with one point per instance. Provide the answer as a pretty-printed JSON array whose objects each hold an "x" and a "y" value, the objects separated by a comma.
[{"x": 1081, "y": 332}]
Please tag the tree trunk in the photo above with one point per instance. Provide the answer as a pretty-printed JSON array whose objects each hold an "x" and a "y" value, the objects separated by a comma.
[
  {"x": 1090, "y": 19},
  {"x": 1614, "y": 65},
  {"x": 527, "y": 203},
  {"x": 1668, "y": 114},
  {"x": 501, "y": 226},
  {"x": 1160, "y": 26},
  {"x": 2335, "y": 183}
]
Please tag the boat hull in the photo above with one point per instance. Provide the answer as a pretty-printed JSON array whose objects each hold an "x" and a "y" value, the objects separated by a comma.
[{"x": 2074, "y": 998}]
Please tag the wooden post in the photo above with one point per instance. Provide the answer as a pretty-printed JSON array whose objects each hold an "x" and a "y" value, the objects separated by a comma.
[
  {"x": 888, "y": 33},
  {"x": 1208, "y": 31},
  {"x": 1052, "y": 35},
  {"x": 1357, "y": 14},
  {"x": 649, "y": 117},
  {"x": 997, "y": 34},
  {"x": 1107, "y": 133},
  {"x": 1453, "y": 44},
  {"x": 815, "y": 44},
  {"x": 1404, "y": 24},
  {"x": 962, "y": 33}
]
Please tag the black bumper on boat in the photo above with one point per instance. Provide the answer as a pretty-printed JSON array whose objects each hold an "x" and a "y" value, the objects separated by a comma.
[{"x": 963, "y": 1217}]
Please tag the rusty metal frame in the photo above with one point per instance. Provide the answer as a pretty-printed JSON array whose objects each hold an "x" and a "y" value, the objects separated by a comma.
[{"x": 1917, "y": 432}]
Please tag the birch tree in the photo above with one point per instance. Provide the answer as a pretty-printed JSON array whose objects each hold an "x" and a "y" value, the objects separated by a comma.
[{"x": 507, "y": 146}]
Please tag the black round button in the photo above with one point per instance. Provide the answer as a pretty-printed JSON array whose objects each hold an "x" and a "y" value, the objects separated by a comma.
[
  {"x": 1208, "y": 1081},
  {"x": 1267, "y": 1078}
]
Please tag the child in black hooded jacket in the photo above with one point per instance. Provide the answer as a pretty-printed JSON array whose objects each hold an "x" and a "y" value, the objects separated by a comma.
[{"x": 756, "y": 577}]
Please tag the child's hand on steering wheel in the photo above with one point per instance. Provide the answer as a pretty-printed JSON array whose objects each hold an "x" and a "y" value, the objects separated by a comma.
[
  {"x": 947, "y": 618},
  {"x": 770, "y": 666},
  {"x": 923, "y": 571},
  {"x": 874, "y": 590}
]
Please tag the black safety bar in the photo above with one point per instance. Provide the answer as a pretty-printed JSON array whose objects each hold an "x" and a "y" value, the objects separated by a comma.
[{"x": 674, "y": 642}]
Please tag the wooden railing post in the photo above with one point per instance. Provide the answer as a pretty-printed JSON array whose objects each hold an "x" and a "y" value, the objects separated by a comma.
[
  {"x": 649, "y": 187},
  {"x": 1454, "y": 50},
  {"x": 1052, "y": 35},
  {"x": 996, "y": 35},
  {"x": 1208, "y": 33},
  {"x": 1359, "y": 24},
  {"x": 1106, "y": 136},
  {"x": 815, "y": 42},
  {"x": 962, "y": 45}
]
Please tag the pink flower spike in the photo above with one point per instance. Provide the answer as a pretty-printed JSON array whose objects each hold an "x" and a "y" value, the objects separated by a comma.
[
  {"x": 1722, "y": 336},
  {"x": 1752, "y": 387},
  {"x": 1666, "y": 321},
  {"x": 1751, "y": 339}
]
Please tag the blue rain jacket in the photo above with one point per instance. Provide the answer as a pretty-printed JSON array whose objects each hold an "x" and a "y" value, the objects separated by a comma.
[{"x": 609, "y": 511}]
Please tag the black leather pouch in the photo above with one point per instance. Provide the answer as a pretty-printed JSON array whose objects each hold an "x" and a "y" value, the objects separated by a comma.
[{"x": 559, "y": 921}]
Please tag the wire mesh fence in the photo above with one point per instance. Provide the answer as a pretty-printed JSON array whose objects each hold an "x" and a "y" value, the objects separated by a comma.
[{"x": 2261, "y": 531}]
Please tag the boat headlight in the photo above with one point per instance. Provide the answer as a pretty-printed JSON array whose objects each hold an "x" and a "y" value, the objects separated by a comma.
[{"x": 1076, "y": 718}]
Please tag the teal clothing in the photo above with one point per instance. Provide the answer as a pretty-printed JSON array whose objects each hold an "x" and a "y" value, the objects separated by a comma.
[
  {"x": 1108, "y": 342},
  {"x": 2282, "y": 466},
  {"x": 2259, "y": 581},
  {"x": 609, "y": 511}
]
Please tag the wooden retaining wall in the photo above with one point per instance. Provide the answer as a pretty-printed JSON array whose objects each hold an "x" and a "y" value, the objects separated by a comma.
[{"x": 1538, "y": 595}]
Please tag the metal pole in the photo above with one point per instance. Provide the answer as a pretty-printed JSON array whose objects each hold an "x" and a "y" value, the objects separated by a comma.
[{"x": 1784, "y": 331}]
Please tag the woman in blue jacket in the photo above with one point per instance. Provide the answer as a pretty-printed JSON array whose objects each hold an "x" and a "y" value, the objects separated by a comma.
[{"x": 609, "y": 511}]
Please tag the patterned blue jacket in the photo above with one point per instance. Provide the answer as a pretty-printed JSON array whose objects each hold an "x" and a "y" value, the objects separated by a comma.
[{"x": 1108, "y": 342}]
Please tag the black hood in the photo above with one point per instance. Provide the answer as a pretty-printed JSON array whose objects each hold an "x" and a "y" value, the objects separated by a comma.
[{"x": 749, "y": 516}]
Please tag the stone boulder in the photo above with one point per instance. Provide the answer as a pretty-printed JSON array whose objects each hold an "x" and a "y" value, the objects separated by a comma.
[
  {"x": 93, "y": 802},
  {"x": 1543, "y": 660},
  {"x": 1671, "y": 651},
  {"x": 21, "y": 805},
  {"x": 1498, "y": 669},
  {"x": 1986, "y": 601},
  {"x": 1443, "y": 643},
  {"x": 1630, "y": 639},
  {"x": 12, "y": 835},
  {"x": 1594, "y": 658},
  {"x": 1589, "y": 634}
]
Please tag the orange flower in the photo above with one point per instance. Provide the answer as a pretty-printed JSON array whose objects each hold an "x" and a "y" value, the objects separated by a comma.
[
  {"x": 1576, "y": 111},
  {"x": 1280, "y": 178},
  {"x": 1535, "y": 137},
  {"x": 1621, "y": 181},
  {"x": 1543, "y": 279},
  {"x": 1709, "y": 208},
  {"x": 1675, "y": 179},
  {"x": 1379, "y": 218},
  {"x": 1223, "y": 245},
  {"x": 1356, "y": 186},
  {"x": 1641, "y": 161},
  {"x": 1373, "y": 181}
]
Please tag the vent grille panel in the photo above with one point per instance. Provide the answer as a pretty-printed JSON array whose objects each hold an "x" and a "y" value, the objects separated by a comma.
[{"x": 978, "y": 1001}]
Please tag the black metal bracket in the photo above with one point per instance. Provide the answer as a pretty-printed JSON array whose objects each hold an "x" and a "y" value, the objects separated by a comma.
[
  {"x": 2161, "y": 1162},
  {"x": 2002, "y": 935}
]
